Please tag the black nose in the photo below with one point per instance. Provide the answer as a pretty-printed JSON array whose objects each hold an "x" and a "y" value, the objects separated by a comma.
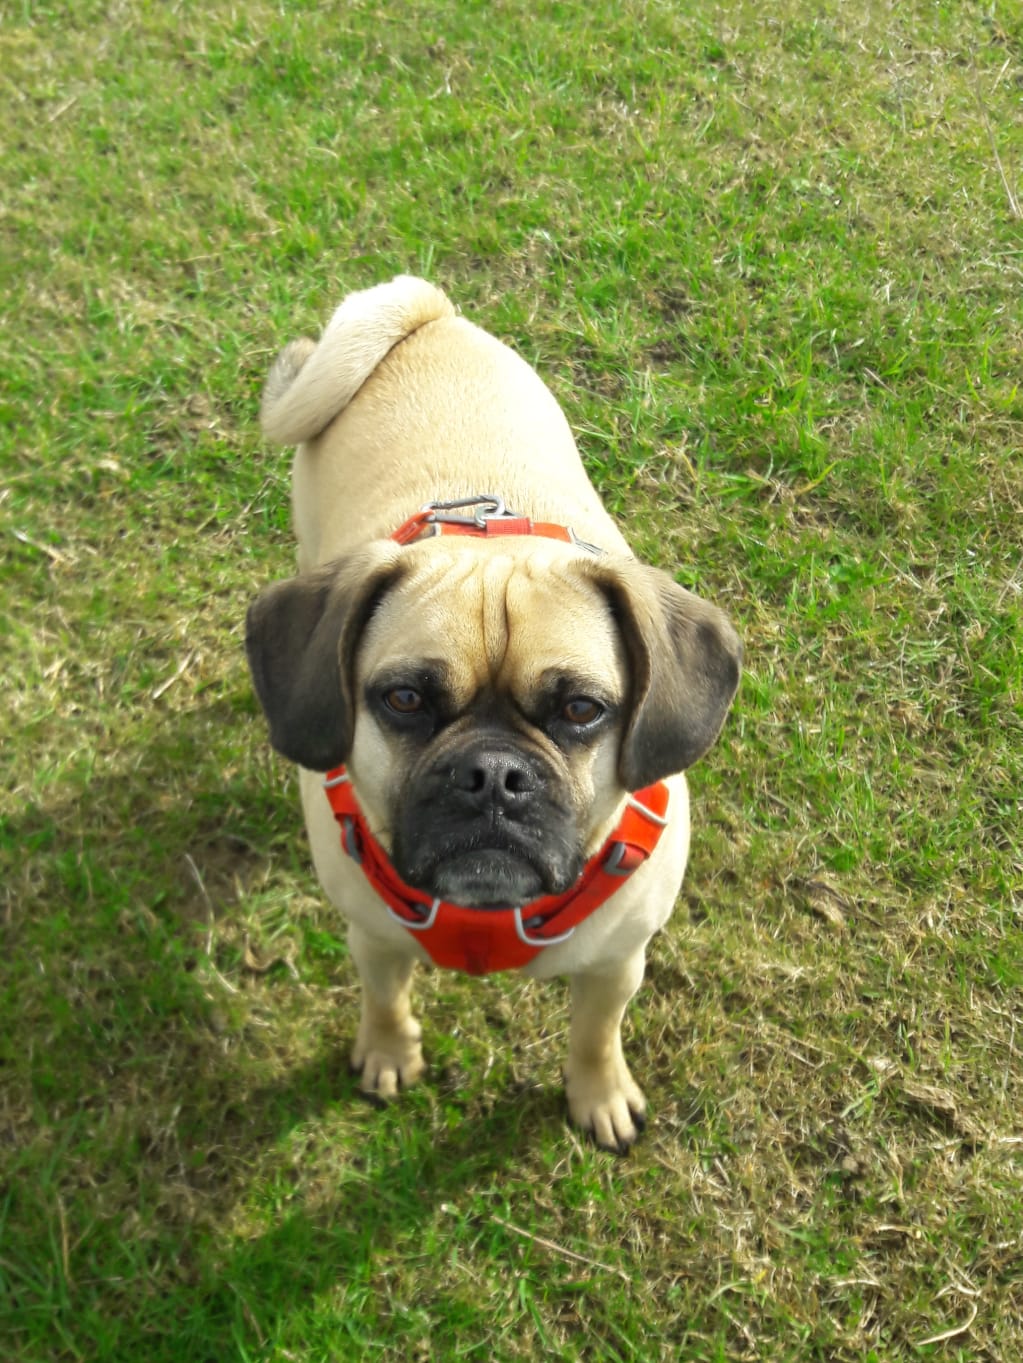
[{"x": 493, "y": 779}]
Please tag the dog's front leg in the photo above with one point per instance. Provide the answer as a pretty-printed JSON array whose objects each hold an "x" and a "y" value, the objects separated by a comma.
[
  {"x": 603, "y": 1097},
  {"x": 387, "y": 1051}
]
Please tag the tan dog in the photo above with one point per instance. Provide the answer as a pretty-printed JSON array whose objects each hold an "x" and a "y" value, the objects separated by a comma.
[{"x": 495, "y": 697}]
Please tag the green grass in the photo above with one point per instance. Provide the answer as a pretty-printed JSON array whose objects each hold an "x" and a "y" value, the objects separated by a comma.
[{"x": 769, "y": 257}]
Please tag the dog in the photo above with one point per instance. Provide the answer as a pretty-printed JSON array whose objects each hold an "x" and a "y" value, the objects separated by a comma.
[{"x": 491, "y": 701}]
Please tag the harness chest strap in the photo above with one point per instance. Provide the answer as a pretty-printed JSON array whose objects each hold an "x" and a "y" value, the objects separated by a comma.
[{"x": 482, "y": 941}]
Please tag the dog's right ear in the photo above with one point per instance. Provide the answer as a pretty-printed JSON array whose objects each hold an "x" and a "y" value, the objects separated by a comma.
[{"x": 300, "y": 637}]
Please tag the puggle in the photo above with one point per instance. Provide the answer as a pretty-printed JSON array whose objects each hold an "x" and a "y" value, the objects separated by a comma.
[{"x": 491, "y": 701}]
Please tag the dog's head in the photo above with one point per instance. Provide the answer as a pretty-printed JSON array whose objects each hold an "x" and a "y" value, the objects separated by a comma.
[{"x": 493, "y": 700}]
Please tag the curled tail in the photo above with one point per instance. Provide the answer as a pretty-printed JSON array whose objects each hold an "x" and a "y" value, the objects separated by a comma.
[{"x": 311, "y": 382}]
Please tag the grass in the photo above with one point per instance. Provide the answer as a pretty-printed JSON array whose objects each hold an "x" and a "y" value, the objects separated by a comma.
[{"x": 769, "y": 257}]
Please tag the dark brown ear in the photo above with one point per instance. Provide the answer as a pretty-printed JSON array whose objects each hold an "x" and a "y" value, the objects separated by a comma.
[
  {"x": 685, "y": 659},
  {"x": 301, "y": 636}
]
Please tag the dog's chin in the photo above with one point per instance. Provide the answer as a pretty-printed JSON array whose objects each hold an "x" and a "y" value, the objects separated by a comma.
[{"x": 487, "y": 879}]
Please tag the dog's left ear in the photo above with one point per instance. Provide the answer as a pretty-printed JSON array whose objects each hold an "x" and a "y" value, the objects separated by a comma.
[
  {"x": 685, "y": 659},
  {"x": 300, "y": 637}
]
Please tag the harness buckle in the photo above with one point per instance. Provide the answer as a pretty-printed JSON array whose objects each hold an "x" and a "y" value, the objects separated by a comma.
[
  {"x": 350, "y": 838},
  {"x": 622, "y": 859}
]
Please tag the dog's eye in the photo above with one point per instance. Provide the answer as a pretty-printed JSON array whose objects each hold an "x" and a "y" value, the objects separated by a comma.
[
  {"x": 581, "y": 710},
  {"x": 404, "y": 700}
]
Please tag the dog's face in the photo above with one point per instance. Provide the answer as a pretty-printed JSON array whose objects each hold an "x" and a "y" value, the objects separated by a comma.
[
  {"x": 491, "y": 689},
  {"x": 493, "y": 700}
]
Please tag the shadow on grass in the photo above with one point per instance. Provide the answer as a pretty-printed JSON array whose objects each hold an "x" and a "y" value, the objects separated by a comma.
[{"x": 138, "y": 1127}]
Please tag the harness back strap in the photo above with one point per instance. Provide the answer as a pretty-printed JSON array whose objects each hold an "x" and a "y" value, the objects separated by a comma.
[{"x": 489, "y": 517}]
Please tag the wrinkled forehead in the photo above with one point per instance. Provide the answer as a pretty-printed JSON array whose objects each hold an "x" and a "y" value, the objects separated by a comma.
[{"x": 498, "y": 616}]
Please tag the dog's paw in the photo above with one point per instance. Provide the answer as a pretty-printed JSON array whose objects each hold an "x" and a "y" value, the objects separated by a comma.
[
  {"x": 388, "y": 1061},
  {"x": 606, "y": 1103}
]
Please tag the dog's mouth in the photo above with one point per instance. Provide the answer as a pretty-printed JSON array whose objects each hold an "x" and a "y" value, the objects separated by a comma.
[
  {"x": 477, "y": 876},
  {"x": 487, "y": 878}
]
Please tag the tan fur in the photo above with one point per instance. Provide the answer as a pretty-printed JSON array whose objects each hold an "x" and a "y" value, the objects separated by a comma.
[{"x": 403, "y": 403}]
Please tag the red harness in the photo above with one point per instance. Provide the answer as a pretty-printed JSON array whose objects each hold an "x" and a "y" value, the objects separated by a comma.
[{"x": 481, "y": 941}]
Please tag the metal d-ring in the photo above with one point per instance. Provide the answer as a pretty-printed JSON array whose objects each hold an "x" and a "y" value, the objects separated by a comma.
[
  {"x": 523, "y": 935},
  {"x": 427, "y": 922}
]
